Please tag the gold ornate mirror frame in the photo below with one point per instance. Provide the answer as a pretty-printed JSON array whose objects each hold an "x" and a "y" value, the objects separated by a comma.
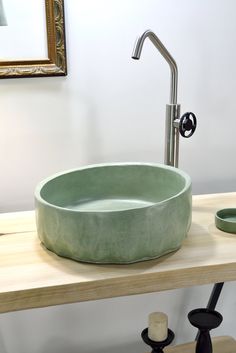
[{"x": 55, "y": 64}]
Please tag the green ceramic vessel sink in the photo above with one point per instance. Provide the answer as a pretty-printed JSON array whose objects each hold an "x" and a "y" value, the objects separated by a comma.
[{"x": 114, "y": 213}]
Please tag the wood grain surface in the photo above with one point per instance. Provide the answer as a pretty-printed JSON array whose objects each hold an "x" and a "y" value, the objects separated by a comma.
[{"x": 222, "y": 344}]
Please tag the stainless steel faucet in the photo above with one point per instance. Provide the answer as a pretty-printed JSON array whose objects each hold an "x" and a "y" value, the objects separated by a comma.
[{"x": 174, "y": 124}]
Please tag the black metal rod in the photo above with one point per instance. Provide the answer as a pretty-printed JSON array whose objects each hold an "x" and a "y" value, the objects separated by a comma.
[
  {"x": 215, "y": 294},
  {"x": 213, "y": 300}
]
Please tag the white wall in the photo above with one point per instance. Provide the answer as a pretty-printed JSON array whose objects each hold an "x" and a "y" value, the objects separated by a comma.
[{"x": 111, "y": 108}]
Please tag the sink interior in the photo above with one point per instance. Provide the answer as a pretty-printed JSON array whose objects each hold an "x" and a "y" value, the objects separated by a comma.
[{"x": 112, "y": 188}]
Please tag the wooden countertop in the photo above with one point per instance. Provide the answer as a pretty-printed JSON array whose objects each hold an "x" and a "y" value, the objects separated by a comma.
[
  {"x": 224, "y": 344},
  {"x": 31, "y": 276}
]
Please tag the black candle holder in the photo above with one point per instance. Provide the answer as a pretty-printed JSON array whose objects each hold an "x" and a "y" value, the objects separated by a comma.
[
  {"x": 157, "y": 347},
  {"x": 205, "y": 320}
]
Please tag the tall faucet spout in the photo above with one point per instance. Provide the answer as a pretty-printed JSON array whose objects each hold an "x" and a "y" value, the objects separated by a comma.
[
  {"x": 171, "y": 156},
  {"x": 164, "y": 52}
]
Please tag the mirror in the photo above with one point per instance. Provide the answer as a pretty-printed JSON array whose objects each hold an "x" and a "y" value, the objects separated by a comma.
[{"x": 32, "y": 38}]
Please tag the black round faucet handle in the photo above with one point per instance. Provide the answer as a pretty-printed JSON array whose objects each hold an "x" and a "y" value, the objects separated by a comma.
[{"x": 187, "y": 124}]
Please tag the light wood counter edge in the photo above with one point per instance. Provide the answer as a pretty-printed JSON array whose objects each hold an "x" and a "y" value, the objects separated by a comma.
[
  {"x": 109, "y": 288},
  {"x": 223, "y": 344}
]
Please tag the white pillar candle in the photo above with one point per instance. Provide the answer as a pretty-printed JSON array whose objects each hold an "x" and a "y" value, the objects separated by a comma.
[{"x": 157, "y": 326}]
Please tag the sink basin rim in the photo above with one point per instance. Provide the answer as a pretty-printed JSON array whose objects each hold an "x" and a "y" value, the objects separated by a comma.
[{"x": 41, "y": 184}]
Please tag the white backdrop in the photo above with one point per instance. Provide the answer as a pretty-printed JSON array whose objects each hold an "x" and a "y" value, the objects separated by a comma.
[{"x": 111, "y": 108}]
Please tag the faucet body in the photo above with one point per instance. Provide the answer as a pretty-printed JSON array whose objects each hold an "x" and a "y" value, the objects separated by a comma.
[{"x": 172, "y": 109}]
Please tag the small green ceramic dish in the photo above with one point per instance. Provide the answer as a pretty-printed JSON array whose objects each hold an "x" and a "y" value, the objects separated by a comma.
[{"x": 225, "y": 220}]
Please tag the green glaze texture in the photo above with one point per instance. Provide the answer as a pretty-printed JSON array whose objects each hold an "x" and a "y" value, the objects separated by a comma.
[
  {"x": 114, "y": 213},
  {"x": 225, "y": 220}
]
